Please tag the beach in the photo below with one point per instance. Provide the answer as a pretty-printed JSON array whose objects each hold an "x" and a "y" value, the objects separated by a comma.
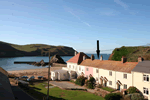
[{"x": 33, "y": 72}]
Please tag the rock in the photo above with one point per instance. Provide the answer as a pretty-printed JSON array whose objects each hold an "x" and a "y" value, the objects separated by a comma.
[
  {"x": 57, "y": 59},
  {"x": 37, "y": 64},
  {"x": 42, "y": 63}
]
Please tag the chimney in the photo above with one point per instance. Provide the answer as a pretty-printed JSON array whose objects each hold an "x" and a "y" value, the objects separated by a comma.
[
  {"x": 84, "y": 57},
  {"x": 101, "y": 58},
  {"x": 92, "y": 57},
  {"x": 75, "y": 53},
  {"x": 123, "y": 59},
  {"x": 140, "y": 59}
]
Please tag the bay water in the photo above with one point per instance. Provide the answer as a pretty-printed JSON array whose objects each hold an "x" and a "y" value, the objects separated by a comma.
[{"x": 8, "y": 63}]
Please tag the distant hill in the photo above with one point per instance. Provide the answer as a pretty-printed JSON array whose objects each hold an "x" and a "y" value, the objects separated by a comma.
[
  {"x": 132, "y": 53},
  {"x": 14, "y": 50}
]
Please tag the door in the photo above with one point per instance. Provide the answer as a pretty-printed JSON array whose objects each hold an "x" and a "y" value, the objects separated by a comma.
[
  {"x": 118, "y": 87},
  {"x": 105, "y": 84}
]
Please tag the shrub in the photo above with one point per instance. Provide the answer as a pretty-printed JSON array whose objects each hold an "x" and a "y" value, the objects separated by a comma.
[
  {"x": 137, "y": 96},
  {"x": 72, "y": 81},
  {"x": 80, "y": 80},
  {"x": 90, "y": 83},
  {"x": 132, "y": 89},
  {"x": 113, "y": 96}
]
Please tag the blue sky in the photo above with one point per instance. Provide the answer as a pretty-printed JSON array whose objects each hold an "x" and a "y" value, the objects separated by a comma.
[{"x": 76, "y": 23}]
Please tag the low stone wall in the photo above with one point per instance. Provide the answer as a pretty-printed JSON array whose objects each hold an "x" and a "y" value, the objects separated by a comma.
[
  {"x": 101, "y": 92},
  {"x": 59, "y": 65}
]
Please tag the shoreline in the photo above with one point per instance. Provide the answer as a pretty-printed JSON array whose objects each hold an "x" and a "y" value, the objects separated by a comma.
[{"x": 33, "y": 72}]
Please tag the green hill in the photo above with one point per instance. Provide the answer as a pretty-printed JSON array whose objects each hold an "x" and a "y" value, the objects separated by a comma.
[
  {"x": 14, "y": 50},
  {"x": 132, "y": 53}
]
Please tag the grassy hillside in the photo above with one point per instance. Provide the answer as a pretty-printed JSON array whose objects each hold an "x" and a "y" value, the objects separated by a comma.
[
  {"x": 14, "y": 50},
  {"x": 132, "y": 53}
]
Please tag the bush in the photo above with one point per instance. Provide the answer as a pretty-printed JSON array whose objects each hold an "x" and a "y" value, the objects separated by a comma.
[
  {"x": 72, "y": 81},
  {"x": 99, "y": 86},
  {"x": 137, "y": 96},
  {"x": 91, "y": 83},
  {"x": 80, "y": 80},
  {"x": 132, "y": 89},
  {"x": 113, "y": 96}
]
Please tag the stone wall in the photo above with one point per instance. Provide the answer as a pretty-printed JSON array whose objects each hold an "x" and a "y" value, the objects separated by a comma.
[
  {"x": 59, "y": 65},
  {"x": 101, "y": 92}
]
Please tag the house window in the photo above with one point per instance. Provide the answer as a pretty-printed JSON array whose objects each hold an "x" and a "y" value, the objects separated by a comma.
[
  {"x": 79, "y": 68},
  {"x": 97, "y": 71},
  {"x": 110, "y": 82},
  {"x": 125, "y": 76},
  {"x": 145, "y": 90},
  {"x": 125, "y": 86},
  {"x": 73, "y": 67},
  {"x": 146, "y": 77},
  {"x": 87, "y": 69},
  {"x": 110, "y": 73},
  {"x": 69, "y": 66}
]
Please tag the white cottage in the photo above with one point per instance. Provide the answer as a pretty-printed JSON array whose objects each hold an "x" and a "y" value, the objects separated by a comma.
[{"x": 60, "y": 75}]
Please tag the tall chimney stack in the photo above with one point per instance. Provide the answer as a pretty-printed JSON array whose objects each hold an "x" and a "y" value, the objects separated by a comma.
[
  {"x": 92, "y": 57},
  {"x": 123, "y": 59},
  {"x": 101, "y": 58},
  {"x": 140, "y": 59},
  {"x": 75, "y": 53}
]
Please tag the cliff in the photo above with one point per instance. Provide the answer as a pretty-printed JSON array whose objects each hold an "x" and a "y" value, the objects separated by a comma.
[
  {"x": 14, "y": 50},
  {"x": 132, "y": 53}
]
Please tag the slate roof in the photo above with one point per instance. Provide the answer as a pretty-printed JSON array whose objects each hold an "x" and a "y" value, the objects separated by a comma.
[
  {"x": 143, "y": 67},
  {"x": 78, "y": 58},
  {"x": 110, "y": 65}
]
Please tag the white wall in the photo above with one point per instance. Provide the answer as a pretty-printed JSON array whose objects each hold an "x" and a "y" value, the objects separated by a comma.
[
  {"x": 120, "y": 77},
  {"x": 139, "y": 83}
]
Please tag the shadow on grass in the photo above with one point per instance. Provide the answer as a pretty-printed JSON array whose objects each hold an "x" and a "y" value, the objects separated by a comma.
[{"x": 38, "y": 95}]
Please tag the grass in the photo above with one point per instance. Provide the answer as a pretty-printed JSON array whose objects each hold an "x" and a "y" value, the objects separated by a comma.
[
  {"x": 131, "y": 53},
  {"x": 56, "y": 93},
  {"x": 108, "y": 89}
]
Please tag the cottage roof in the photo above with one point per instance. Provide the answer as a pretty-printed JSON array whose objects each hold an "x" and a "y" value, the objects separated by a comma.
[
  {"x": 110, "y": 65},
  {"x": 78, "y": 58},
  {"x": 143, "y": 66}
]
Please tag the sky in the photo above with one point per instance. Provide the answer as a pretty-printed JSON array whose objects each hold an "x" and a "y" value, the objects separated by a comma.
[{"x": 76, "y": 23}]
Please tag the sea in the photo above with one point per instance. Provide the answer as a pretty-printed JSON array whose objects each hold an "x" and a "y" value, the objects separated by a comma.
[{"x": 8, "y": 63}]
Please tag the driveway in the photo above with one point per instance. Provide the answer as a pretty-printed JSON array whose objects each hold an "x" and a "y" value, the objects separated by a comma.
[{"x": 65, "y": 84}]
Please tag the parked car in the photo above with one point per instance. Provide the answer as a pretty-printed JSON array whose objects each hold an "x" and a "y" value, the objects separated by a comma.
[
  {"x": 31, "y": 78},
  {"x": 40, "y": 77},
  {"x": 16, "y": 78},
  {"x": 23, "y": 78}
]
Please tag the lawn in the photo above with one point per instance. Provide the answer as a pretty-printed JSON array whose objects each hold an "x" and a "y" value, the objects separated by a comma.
[
  {"x": 108, "y": 89},
  {"x": 56, "y": 93}
]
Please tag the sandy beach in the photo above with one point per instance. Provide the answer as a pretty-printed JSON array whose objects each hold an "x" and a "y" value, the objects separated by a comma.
[{"x": 35, "y": 72}]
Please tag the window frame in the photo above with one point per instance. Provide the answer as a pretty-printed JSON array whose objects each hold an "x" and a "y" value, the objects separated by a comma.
[
  {"x": 110, "y": 82},
  {"x": 145, "y": 78},
  {"x": 87, "y": 69},
  {"x": 145, "y": 91},
  {"x": 97, "y": 71},
  {"x": 124, "y": 76},
  {"x": 124, "y": 86},
  {"x": 110, "y": 72}
]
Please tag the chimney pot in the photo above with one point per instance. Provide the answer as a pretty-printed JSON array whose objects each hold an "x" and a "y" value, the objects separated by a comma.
[
  {"x": 123, "y": 59},
  {"x": 84, "y": 57},
  {"x": 101, "y": 58},
  {"x": 140, "y": 59},
  {"x": 75, "y": 53},
  {"x": 92, "y": 57}
]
